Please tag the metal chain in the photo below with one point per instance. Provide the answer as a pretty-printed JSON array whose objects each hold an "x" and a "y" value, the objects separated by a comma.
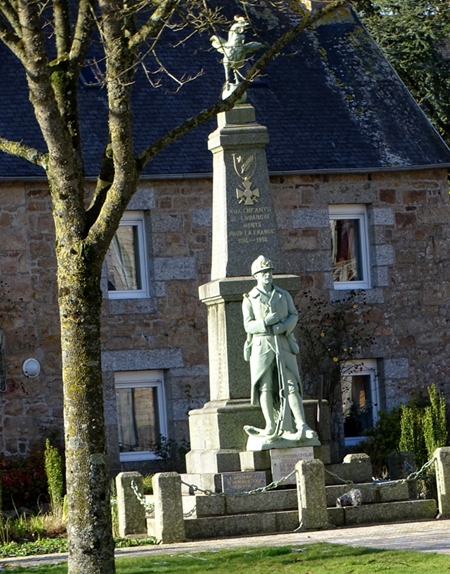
[
  {"x": 412, "y": 476},
  {"x": 190, "y": 513},
  {"x": 150, "y": 508},
  {"x": 259, "y": 490}
]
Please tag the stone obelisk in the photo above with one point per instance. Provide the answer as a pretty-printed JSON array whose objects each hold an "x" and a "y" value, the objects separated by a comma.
[{"x": 244, "y": 227}]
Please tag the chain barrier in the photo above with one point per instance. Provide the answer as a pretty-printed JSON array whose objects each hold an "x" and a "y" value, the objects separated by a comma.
[
  {"x": 259, "y": 490},
  {"x": 415, "y": 475},
  {"x": 149, "y": 508}
]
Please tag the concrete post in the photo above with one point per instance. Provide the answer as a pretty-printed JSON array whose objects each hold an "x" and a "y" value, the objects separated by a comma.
[
  {"x": 169, "y": 521},
  {"x": 398, "y": 469},
  {"x": 131, "y": 511},
  {"x": 443, "y": 480},
  {"x": 312, "y": 500}
]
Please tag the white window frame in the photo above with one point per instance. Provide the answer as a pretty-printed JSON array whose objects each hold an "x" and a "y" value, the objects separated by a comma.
[
  {"x": 135, "y": 218},
  {"x": 364, "y": 367},
  {"x": 358, "y": 212},
  {"x": 144, "y": 379}
]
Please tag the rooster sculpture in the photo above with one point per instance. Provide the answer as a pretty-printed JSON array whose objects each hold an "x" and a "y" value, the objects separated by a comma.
[{"x": 234, "y": 51}]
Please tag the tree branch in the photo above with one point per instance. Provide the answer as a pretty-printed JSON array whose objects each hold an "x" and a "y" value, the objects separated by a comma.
[
  {"x": 63, "y": 170},
  {"x": 111, "y": 200},
  {"x": 308, "y": 21},
  {"x": 155, "y": 23},
  {"x": 10, "y": 14},
  {"x": 11, "y": 40},
  {"x": 83, "y": 29},
  {"x": 19, "y": 149},
  {"x": 62, "y": 28}
]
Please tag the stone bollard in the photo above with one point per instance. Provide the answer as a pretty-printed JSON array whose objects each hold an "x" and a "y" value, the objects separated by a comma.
[
  {"x": 131, "y": 511},
  {"x": 442, "y": 456},
  {"x": 169, "y": 521},
  {"x": 312, "y": 500},
  {"x": 398, "y": 469}
]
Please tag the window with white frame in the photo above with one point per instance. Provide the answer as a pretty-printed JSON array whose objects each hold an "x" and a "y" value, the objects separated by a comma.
[
  {"x": 126, "y": 260},
  {"x": 360, "y": 398},
  {"x": 349, "y": 246},
  {"x": 141, "y": 413}
]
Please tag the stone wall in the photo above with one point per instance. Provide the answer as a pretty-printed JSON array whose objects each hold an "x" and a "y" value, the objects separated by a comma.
[
  {"x": 408, "y": 231},
  {"x": 30, "y": 409}
]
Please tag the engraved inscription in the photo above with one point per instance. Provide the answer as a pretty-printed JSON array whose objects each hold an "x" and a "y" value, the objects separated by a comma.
[
  {"x": 249, "y": 225},
  {"x": 283, "y": 461},
  {"x": 242, "y": 481}
]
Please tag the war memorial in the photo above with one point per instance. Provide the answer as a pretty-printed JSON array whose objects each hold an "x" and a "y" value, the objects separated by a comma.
[{"x": 257, "y": 464}]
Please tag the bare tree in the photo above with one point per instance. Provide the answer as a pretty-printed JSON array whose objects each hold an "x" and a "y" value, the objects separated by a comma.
[{"x": 50, "y": 39}]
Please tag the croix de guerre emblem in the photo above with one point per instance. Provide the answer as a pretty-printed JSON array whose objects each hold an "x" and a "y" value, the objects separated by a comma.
[{"x": 245, "y": 169}]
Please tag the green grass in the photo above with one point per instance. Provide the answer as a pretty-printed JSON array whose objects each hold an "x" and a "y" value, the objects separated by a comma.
[
  {"x": 307, "y": 559},
  {"x": 52, "y": 545}
]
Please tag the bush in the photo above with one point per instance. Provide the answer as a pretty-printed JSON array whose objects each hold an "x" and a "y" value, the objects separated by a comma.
[
  {"x": 147, "y": 483},
  {"x": 411, "y": 431},
  {"x": 381, "y": 440},
  {"x": 23, "y": 481},
  {"x": 172, "y": 454},
  {"x": 424, "y": 426},
  {"x": 435, "y": 431},
  {"x": 55, "y": 476},
  {"x": 420, "y": 427}
]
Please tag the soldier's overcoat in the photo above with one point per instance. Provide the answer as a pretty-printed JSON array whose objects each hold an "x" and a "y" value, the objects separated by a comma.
[{"x": 261, "y": 344}]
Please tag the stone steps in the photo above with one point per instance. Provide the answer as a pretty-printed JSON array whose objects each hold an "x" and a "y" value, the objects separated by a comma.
[
  {"x": 383, "y": 513},
  {"x": 277, "y": 511},
  {"x": 287, "y": 521},
  {"x": 241, "y": 524}
]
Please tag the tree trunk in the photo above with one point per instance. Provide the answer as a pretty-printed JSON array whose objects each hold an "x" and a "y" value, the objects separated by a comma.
[{"x": 91, "y": 546}]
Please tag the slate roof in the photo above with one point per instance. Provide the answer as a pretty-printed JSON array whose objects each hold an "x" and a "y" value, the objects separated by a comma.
[{"x": 331, "y": 103}]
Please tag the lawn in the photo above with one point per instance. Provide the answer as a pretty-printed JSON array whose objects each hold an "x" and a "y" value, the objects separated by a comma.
[{"x": 307, "y": 559}]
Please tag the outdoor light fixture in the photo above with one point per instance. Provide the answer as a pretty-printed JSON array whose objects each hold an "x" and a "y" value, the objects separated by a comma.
[{"x": 31, "y": 368}]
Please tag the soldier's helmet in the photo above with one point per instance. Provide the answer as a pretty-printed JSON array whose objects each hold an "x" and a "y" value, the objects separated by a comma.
[{"x": 261, "y": 264}]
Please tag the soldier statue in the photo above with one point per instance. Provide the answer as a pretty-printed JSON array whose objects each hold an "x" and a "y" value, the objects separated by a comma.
[{"x": 270, "y": 317}]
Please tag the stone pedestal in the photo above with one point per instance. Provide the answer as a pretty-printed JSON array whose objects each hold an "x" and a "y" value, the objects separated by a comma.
[
  {"x": 169, "y": 522},
  {"x": 312, "y": 502},
  {"x": 131, "y": 512},
  {"x": 442, "y": 456}
]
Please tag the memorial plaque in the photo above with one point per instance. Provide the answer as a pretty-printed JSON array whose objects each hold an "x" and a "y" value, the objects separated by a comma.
[
  {"x": 237, "y": 482},
  {"x": 283, "y": 461}
]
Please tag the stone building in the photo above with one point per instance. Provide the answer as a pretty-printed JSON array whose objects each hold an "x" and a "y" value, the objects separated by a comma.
[{"x": 359, "y": 181}]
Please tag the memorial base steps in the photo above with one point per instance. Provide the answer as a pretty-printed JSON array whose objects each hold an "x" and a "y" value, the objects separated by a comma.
[{"x": 277, "y": 511}]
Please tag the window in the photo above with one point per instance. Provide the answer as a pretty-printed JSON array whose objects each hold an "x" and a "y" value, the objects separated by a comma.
[
  {"x": 349, "y": 246},
  {"x": 126, "y": 260},
  {"x": 360, "y": 399},
  {"x": 141, "y": 413}
]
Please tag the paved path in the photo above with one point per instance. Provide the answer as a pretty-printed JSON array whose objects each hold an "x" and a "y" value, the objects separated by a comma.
[{"x": 427, "y": 536}]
